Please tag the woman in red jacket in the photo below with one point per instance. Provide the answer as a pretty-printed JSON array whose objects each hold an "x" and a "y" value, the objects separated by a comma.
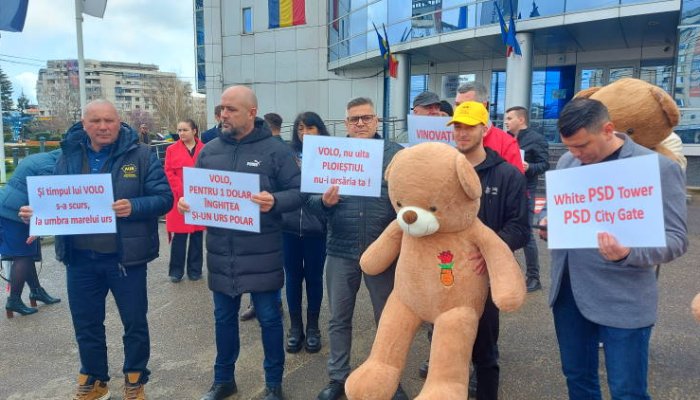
[{"x": 183, "y": 153}]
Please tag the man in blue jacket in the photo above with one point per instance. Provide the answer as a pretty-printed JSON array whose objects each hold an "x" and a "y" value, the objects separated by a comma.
[
  {"x": 116, "y": 262},
  {"x": 243, "y": 262},
  {"x": 610, "y": 294}
]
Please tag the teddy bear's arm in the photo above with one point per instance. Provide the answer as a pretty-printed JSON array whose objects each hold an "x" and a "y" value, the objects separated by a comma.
[
  {"x": 383, "y": 251},
  {"x": 506, "y": 279}
]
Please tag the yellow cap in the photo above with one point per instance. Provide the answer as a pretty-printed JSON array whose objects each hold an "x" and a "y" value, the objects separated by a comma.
[{"x": 470, "y": 113}]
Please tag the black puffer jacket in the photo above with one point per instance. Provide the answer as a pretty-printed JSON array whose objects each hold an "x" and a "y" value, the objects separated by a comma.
[
  {"x": 242, "y": 262},
  {"x": 355, "y": 222},
  {"x": 503, "y": 201},
  {"x": 536, "y": 151},
  {"x": 305, "y": 221},
  {"x": 138, "y": 176}
]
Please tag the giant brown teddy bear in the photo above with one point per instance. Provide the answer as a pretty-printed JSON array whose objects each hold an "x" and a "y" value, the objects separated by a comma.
[{"x": 436, "y": 194}]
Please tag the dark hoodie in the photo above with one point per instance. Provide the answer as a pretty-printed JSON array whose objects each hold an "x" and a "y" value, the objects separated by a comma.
[
  {"x": 503, "y": 201},
  {"x": 138, "y": 176},
  {"x": 238, "y": 261}
]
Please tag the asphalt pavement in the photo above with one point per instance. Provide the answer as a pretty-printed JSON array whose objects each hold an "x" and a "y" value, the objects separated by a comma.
[{"x": 39, "y": 360}]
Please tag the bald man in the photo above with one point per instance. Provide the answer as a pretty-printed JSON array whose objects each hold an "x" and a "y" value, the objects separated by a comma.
[{"x": 244, "y": 262}]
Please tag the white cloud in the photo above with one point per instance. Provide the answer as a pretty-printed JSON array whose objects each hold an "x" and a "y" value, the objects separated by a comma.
[{"x": 25, "y": 82}]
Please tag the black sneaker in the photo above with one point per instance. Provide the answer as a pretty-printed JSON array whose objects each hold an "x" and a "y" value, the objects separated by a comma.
[
  {"x": 249, "y": 313},
  {"x": 533, "y": 284},
  {"x": 220, "y": 391},
  {"x": 334, "y": 391},
  {"x": 274, "y": 393}
]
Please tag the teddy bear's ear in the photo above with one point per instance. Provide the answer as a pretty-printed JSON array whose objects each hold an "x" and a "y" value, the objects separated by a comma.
[
  {"x": 467, "y": 177},
  {"x": 667, "y": 105},
  {"x": 586, "y": 93}
]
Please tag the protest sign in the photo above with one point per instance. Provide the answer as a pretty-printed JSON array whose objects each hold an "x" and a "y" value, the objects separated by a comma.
[
  {"x": 222, "y": 199},
  {"x": 422, "y": 128},
  {"x": 354, "y": 165},
  {"x": 620, "y": 197},
  {"x": 71, "y": 204}
]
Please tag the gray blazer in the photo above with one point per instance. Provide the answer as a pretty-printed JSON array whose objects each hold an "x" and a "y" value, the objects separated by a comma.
[{"x": 624, "y": 294}]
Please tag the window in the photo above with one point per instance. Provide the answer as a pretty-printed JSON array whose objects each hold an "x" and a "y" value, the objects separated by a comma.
[
  {"x": 419, "y": 84},
  {"x": 247, "y": 20}
]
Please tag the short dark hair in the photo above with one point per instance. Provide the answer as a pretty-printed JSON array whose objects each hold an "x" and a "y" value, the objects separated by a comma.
[
  {"x": 481, "y": 93},
  {"x": 217, "y": 110},
  {"x": 308, "y": 118},
  {"x": 359, "y": 101},
  {"x": 521, "y": 112},
  {"x": 193, "y": 126},
  {"x": 446, "y": 107},
  {"x": 580, "y": 113},
  {"x": 274, "y": 120}
]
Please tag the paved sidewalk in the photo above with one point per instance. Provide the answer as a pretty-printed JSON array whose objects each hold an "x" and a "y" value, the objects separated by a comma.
[{"x": 38, "y": 356}]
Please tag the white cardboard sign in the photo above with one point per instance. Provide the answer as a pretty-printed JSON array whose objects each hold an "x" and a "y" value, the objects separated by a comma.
[
  {"x": 424, "y": 128},
  {"x": 621, "y": 197},
  {"x": 354, "y": 165},
  {"x": 221, "y": 199},
  {"x": 71, "y": 204}
]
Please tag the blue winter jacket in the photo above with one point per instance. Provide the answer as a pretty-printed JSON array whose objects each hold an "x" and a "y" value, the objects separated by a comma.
[
  {"x": 14, "y": 194},
  {"x": 138, "y": 176}
]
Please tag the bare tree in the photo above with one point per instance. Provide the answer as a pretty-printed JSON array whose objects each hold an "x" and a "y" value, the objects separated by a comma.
[
  {"x": 138, "y": 116},
  {"x": 62, "y": 102},
  {"x": 172, "y": 99}
]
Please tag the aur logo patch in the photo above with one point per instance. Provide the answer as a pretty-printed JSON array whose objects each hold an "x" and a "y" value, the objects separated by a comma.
[{"x": 129, "y": 171}]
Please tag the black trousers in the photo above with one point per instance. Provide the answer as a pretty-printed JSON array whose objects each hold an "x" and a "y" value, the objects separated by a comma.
[
  {"x": 180, "y": 251},
  {"x": 485, "y": 353}
]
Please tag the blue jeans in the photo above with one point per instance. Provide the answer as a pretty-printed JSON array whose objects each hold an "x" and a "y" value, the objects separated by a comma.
[
  {"x": 89, "y": 277},
  {"x": 228, "y": 344},
  {"x": 626, "y": 352}
]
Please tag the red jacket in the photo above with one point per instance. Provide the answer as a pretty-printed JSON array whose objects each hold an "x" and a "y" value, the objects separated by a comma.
[
  {"x": 505, "y": 145},
  {"x": 176, "y": 157}
]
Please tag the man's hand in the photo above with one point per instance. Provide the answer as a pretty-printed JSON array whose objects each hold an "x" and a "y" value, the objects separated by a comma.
[
  {"x": 610, "y": 248},
  {"x": 543, "y": 232},
  {"x": 479, "y": 263},
  {"x": 265, "y": 200},
  {"x": 31, "y": 239},
  {"x": 331, "y": 197},
  {"x": 122, "y": 208},
  {"x": 526, "y": 165},
  {"x": 182, "y": 206},
  {"x": 25, "y": 213}
]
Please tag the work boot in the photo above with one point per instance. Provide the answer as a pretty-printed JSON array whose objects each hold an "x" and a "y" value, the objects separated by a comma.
[
  {"x": 39, "y": 294},
  {"x": 220, "y": 391},
  {"x": 249, "y": 313},
  {"x": 334, "y": 391},
  {"x": 313, "y": 340},
  {"x": 91, "y": 389},
  {"x": 295, "y": 337},
  {"x": 533, "y": 284},
  {"x": 16, "y": 305},
  {"x": 133, "y": 388}
]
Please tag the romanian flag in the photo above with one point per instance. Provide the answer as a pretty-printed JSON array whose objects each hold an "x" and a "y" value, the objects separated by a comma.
[
  {"x": 390, "y": 60},
  {"x": 285, "y": 13},
  {"x": 508, "y": 33}
]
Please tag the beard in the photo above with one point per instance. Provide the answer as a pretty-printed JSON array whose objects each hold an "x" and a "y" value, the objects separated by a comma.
[{"x": 231, "y": 132}]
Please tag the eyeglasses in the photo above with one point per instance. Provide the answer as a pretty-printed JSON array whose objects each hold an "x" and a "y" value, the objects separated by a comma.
[{"x": 366, "y": 119}]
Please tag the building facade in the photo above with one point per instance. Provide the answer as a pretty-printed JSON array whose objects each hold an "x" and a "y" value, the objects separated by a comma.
[
  {"x": 567, "y": 45},
  {"x": 124, "y": 84}
]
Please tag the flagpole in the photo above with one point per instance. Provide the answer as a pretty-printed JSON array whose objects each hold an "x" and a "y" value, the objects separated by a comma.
[
  {"x": 3, "y": 172},
  {"x": 387, "y": 105},
  {"x": 81, "y": 60}
]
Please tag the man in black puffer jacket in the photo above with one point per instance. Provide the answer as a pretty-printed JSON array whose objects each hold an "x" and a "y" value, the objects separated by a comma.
[
  {"x": 353, "y": 224},
  {"x": 245, "y": 262},
  {"x": 116, "y": 262}
]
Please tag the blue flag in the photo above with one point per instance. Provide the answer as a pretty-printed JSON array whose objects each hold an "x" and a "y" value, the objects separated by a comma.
[
  {"x": 511, "y": 40},
  {"x": 12, "y": 15}
]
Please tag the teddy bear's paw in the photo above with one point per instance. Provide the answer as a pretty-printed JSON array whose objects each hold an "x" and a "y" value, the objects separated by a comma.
[
  {"x": 443, "y": 391},
  {"x": 372, "y": 381}
]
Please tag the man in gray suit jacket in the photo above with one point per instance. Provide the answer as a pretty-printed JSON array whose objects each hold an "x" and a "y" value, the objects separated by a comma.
[{"x": 609, "y": 294}]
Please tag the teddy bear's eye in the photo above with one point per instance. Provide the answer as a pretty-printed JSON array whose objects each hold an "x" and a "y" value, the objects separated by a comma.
[
  {"x": 433, "y": 209},
  {"x": 398, "y": 203}
]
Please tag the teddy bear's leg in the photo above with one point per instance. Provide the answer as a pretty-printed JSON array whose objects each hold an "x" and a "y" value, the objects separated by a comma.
[
  {"x": 378, "y": 377},
  {"x": 450, "y": 352}
]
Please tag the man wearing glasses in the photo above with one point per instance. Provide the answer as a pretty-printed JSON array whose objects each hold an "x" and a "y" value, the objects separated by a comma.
[{"x": 353, "y": 223}]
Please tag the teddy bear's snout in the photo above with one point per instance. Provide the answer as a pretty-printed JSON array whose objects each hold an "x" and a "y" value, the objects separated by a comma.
[{"x": 410, "y": 217}]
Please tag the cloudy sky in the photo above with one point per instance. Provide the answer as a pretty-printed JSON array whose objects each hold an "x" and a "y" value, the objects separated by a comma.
[{"x": 156, "y": 32}]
